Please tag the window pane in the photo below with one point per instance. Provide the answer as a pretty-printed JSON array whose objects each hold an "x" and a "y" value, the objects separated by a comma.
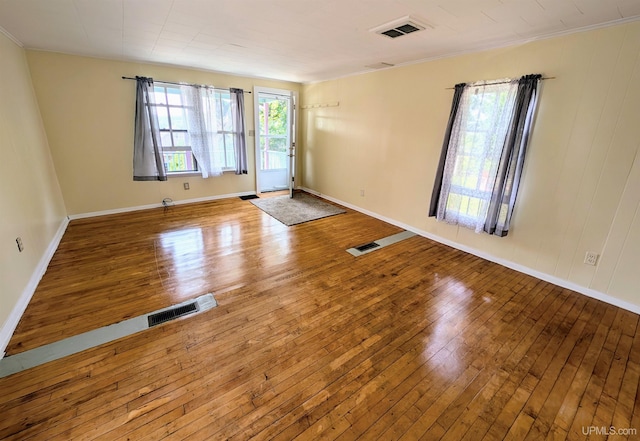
[
  {"x": 219, "y": 148},
  {"x": 474, "y": 207},
  {"x": 218, "y": 142},
  {"x": 231, "y": 159},
  {"x": 178, "y": 120},
  {"x": 180, "y": 139},
  {"x": 223, "y": 151},
  {"x": 464, "y": 204},
  {"x": 225, "y": 122},
  {"x": 273, "y": 153},
  {"x": 218, "y": 157},
  {"x": 158, "y": 93},
  {"x": 181, "y": 161},
  {"x": 471, "y": 181},
  {"x": 229, "y": 150},
  {"x": 165, "y": 139},
  {"x": 175, "y": 99},
  {"x": 277, "y": 144},
  {"x": 163, "y": 117},
  {"x": 275, "y": 112},
  {"x": 174, "y": 161}
]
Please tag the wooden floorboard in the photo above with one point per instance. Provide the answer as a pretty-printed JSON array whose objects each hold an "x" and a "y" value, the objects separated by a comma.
[{"x": 413, "y": 341}]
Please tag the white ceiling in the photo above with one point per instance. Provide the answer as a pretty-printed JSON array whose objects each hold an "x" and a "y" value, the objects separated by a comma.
[{"x": 297, "y": 40}]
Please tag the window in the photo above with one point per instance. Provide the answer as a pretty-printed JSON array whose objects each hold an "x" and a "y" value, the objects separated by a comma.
[
  {"x": 174, "y": 131},
  {"x": 226, "y": 133},
  {"x": 274, "y": 132},
  {"x": 186, "y": 128},
  {"x": 482, "y": 127},
  {"x": 483, "y": 154},
  {"x": 174, "y": 135}
]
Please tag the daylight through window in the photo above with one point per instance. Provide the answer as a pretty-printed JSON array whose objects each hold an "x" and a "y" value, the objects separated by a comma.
[
  {"x": 174, "y": 131},
  {"x": 483, "y": 154},
  {"x": 174, "y": 136}
]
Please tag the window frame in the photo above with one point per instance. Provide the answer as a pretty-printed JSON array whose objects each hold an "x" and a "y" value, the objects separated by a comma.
[
  {"x": 468, "y": 153},
  {"x": 228, "y": 147},
  {"x": 173, "y": 148},
  {"x": 513, "y": 120},
  {"x": 220, "y": 129}
]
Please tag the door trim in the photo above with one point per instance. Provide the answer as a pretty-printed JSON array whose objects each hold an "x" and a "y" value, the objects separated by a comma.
[{"x": 256, "y": 122}]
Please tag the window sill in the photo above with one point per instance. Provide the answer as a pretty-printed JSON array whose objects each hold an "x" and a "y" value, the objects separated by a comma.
[
  {"x": 194, "y": 174},
  {"x": 182, "y": 174}
]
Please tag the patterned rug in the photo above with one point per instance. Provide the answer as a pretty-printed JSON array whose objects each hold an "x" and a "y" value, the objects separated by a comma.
[{"x": 302, "y": 208}]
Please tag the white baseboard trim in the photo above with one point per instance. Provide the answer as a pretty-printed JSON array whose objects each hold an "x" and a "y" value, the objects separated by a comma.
[
  {"x": 513, "y": 265},
  {"x": 9, "y": 327},
  {"x": 150, "y": 206}
]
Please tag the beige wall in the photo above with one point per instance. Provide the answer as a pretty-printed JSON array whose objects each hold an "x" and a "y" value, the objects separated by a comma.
[
  {"x": 31, "y": 205},
  {"x": 581, "y": 188},
  {"x": 88, "y": 113}
]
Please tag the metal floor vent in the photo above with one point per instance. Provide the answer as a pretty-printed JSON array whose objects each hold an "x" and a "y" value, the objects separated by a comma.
[
  {"x": 379, "y": 243},
  {"x": 367, "y": 246},
  {"x": 96, "y": 337},
  {"x": 172, "y": 314}
]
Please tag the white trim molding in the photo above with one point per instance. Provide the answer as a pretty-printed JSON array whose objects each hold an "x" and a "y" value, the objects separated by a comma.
[
  {"x": 11, "y": 37},
  {"x": 9, "y": 327},
  {"x": 293, "y": 137},
  {"x": 484, "y": 255},
  {"x": 150, "y": 206}
]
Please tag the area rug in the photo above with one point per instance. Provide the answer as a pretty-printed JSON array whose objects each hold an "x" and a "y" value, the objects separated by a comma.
[{"x": 302, "y": 208}]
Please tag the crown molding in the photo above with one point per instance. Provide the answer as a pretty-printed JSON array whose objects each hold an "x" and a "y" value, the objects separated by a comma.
[{"x": 11, "y": 37}]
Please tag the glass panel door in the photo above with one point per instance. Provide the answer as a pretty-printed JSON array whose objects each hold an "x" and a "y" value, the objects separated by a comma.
[{"x": 273, "y": 141}]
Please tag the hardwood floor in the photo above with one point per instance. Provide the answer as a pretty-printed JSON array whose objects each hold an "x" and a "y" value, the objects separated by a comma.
[{"x": 413, "y": 341}]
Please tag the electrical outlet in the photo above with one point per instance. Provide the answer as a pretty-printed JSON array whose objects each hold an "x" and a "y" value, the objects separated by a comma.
[
  {"x": 20, "y": 245},
  {"x": 591, "y": 258},
  {"x": 362, "y": 193},
  {"x": 186, "y": 185}
]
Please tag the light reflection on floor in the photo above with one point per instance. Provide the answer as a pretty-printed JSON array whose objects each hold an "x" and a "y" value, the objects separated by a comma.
[
  {"x": 274, "y": 248},
  {"x": 185, "y": 249},
  {"x": 440, "y": 341},
  {"x": 186, "y": 267}
]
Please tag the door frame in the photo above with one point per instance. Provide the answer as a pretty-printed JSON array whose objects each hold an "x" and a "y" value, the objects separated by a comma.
[{"x": 293, "y": 95}]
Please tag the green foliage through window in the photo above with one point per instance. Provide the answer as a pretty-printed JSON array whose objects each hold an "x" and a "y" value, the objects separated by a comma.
[{"x": 274, "y": 132}]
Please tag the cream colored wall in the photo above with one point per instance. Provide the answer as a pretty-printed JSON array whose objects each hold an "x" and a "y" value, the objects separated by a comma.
[
  {"x": 88, "y": 112},
  {"x": 581, "y": 187},
  {"x": 30, "y": 199}
]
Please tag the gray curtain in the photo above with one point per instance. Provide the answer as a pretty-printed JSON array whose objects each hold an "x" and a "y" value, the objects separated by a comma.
[
  {"x": 507, "y": 181},
  {"x": 437, "y": 185},
  {"x": 240, "y": 144},
  {"x": 148, "y": 162}
]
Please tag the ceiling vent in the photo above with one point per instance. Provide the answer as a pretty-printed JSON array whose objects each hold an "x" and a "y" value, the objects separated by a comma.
[{"x": 398, "y": 28}]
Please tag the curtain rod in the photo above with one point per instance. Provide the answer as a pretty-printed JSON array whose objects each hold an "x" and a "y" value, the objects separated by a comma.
[
  {"x": 186, "y": 84},
  {"x": 505, "y": 82}
]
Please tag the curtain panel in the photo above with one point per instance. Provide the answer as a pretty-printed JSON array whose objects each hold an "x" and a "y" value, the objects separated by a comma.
[
  {"x": 437, "y": 186},
  {"x": 201, "y": 121},
  {"x": 240, "y": 142},
  {"x": 505, "y": 189},
  {"x": 148, "y": 162}
]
